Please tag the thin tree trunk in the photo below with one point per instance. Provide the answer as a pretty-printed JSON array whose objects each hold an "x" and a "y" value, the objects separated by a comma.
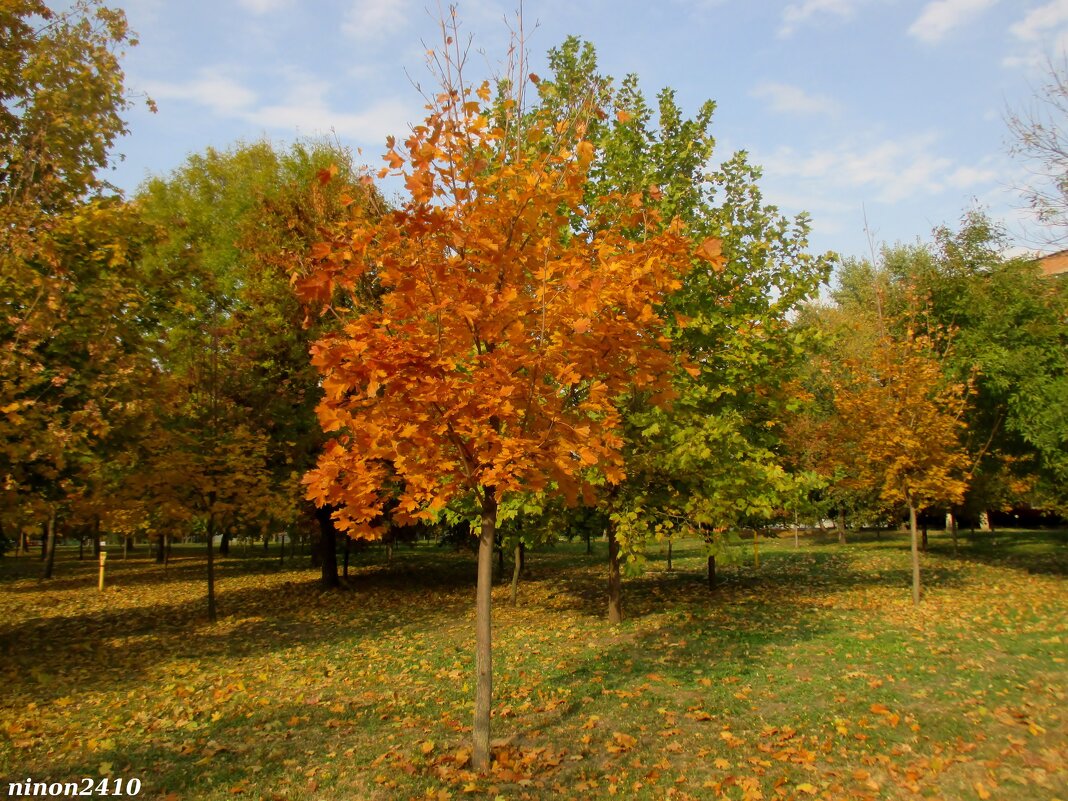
[
  {"x": 348, "y": 547},
  {"x": 480, "y": 757},
  {"x": 756, "y": 548},
  {"x": 711, "y": 572},
  {"x": 669, "y": 568},
  {"x": 212, "y": 617},
  {"x": 166, "y": 548},
  {"x": 96, "y": 536},
  {"x": 44, "y": 541},
  {"x": 516, "y": 568},
  {"x": 125, "y": 547},
  {"x": 81, "y": 547},
  {"x": 389, "y": 552},
  {"x": 282, "y": 551},
  {"x": 953, "y": 531},
  {"x": 841, "y": 527},
  {"x": 224, "y": 544},
  {"x": 615, "y": 609},
  {"x": 161, "y": 549},
  {"x": 915, "y": 555},
  {"x": 50, "y": 543},
  {"x": 589, "y": 541}
]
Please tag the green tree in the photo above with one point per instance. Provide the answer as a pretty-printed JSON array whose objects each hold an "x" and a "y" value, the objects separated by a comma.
[
  {"x": 1001, "y": 325},
  {"x": 713, "y": 459},
  {"x": 230, "y": 339}
]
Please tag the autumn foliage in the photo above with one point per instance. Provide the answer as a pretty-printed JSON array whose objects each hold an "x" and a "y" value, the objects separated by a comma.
[{"x": 510, "y": 320}]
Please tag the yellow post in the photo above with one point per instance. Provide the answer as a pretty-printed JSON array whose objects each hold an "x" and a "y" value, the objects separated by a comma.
[
  {"x": 756, "y": 550},
  {"x": 103, "y": 558}
]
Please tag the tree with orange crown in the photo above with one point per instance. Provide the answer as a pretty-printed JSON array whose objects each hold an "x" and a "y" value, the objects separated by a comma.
[{"x": 510, "y": 320}]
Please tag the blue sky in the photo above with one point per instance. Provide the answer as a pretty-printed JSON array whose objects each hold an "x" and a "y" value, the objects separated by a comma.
[{"x": 890, "y": 108}]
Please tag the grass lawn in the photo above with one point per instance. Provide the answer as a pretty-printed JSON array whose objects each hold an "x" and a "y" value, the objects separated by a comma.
[{"x": 811, "y": 676}]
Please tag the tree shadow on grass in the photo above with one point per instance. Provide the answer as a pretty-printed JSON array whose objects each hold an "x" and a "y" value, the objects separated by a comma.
[
  {"x": 45, "y": 658},
  {"x": 782, "y": 575},
  {"x": 217, "y": 758},
  {"x": 1038, "y": 551}
]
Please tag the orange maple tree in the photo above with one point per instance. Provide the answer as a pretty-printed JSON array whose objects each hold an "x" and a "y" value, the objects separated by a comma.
[
  {"x": 510, "y": 320},
  {"x": 899, "y": 421}
]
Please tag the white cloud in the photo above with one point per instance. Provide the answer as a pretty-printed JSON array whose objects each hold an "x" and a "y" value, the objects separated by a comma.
[
  {"x": 370, "y": 20},
  {"x": 212, "y": 89},
  {"x": 263, "y": 6},
  {"x": 787, "y": 99},
  {"x": 941, "y": 16},
  {"x": 797, "y": 13},
  {"x": 1042, "y": 33},
  {"x": 889, "y": 171},
  {"x": 298, "y": 105},
  {"x": 1041, "y": 20}
]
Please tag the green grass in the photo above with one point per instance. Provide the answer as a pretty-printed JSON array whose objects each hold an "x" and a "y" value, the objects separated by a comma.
[{"x": 810, "y": 677}]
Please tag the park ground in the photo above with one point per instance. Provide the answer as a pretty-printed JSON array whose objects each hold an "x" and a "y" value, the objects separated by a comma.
[{"x": 810, "y": 675}]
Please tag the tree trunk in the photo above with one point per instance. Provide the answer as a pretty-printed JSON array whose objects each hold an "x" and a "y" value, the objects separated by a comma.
[
  {"x": 841, "y": 526},
  {"x": 125, "y": 547},
  {"x": 953, "y": 530},
  {"x": 50, "y": 544},
  {"x": 282, "y": 551},
  {"x": 327, "y": 549},
  {"x": 669, "y": 568},
  {"x": 161, "y": 549},
  {"x": 756, "y": 548},
  {"x": 984, "y": 521},
  {"x": 166, "y": 548},
  {"x": 389, "y": 552},
  {"x": 96, "y": 536},
  {"x": 348, "y": 547},
  {"x": 915, "y": 555},
  {"x": 480, "y": 757},
  {"x": 81, "y": 547},
  {"x": 44, "y": 541},
  {"x": 516, "y": 568},
  {"x": 224, "y": 544},
  {"x": 589, "y": 541},
  {"x": 711, "y": 572},
  {"x": 212, "y": 617},
  {"x": 615, "y": 610}
]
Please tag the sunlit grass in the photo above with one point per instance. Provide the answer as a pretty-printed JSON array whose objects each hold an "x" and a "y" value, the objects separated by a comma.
[{"x": 812, "y": 676}]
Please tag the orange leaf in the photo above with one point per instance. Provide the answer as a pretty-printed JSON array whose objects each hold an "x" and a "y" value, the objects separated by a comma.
[{"x": 712, "y": 251}]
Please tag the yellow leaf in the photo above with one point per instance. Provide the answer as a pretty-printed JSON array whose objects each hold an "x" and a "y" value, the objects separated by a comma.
[
  {"x": 805, "y": 787},
  {"x": 981, "y": 791},
  {"x": 104, "y": 769}
]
